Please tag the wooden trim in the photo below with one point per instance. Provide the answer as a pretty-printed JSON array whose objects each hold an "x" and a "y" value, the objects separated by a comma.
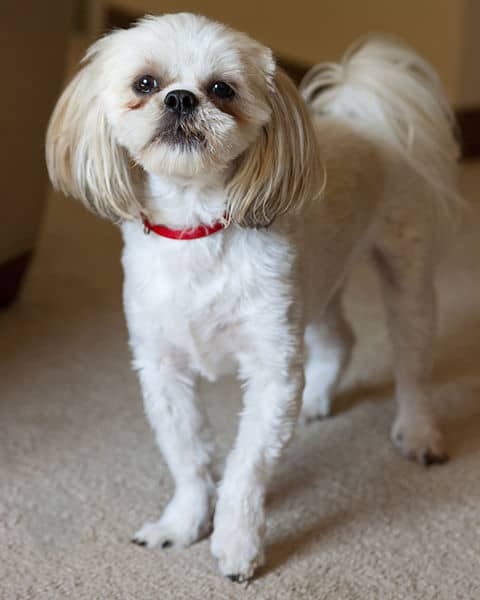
[
  {"x": 295, "y": 70},
  {"x": 468, "y": 120},
  {"x": 469, "y": 132},
  {"x": 116, "y": 17},
  {"x": 12, "y": 273}
]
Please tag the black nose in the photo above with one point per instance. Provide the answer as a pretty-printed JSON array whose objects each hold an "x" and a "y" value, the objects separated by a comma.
[{"x": 181, "y": 102}]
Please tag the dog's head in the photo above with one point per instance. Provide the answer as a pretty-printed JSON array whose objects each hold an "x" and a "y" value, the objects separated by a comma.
[{"x": 186, "y": 97}]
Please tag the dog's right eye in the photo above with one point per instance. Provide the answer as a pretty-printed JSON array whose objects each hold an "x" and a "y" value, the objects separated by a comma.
[{"x": 146, "y": 84}]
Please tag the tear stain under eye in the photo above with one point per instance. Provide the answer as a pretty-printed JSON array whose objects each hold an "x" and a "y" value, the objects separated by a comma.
[
  {"x": 137, "y": 103},
  {"x": 231, "y": 108}
]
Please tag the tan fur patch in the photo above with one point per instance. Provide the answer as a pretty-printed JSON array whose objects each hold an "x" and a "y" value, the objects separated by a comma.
[
  {"x": 137, "y": 103},
  {"x": 229, "y": 106}
]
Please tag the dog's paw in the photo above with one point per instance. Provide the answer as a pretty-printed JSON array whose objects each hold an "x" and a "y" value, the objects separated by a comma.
[
  {"x": 239, "y": 553},
  {"x": 159, "y": 534},
  {"x": 187, "y": 519},
  {"x": 314, "y": 409},
  {"x": 167, "y": 533},
  {"x": 419, "y": 439},
  {"x": 237, "y": 547}
]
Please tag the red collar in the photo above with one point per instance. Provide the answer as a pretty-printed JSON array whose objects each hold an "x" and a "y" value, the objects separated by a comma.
[{"x": 183, "y": 234}]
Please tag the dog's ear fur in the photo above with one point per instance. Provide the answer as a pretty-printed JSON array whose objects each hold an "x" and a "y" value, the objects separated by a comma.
[
  {"x": 282, "y": 169},
  {"x": 83, "y": 158}
]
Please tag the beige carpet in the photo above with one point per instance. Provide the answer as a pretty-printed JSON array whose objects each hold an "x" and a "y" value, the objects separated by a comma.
[{"x": 348, "y": 517}]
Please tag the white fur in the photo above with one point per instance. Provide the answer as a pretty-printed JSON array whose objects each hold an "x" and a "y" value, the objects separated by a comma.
[{"x": 267, "y": 299}]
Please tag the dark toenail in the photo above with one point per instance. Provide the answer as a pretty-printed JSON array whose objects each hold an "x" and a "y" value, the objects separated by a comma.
[
  {"x": 138, "y": 542},
  {"x": 166, "y": 544},
  {"x": 429, "y": 458}
]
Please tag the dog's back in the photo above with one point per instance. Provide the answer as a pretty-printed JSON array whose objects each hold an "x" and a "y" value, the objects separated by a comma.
[{"x": 389, "y": 91}]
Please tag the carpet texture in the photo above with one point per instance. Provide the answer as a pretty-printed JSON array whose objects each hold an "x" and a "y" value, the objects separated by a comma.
[{"x": 348, "y": 518}]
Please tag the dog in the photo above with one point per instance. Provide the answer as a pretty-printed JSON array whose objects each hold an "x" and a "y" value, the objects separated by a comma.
[{"x": 243, "y": 204}]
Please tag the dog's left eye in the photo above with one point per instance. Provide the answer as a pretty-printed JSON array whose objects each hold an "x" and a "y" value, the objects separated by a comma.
[
  {"x": 222, "y": 90},
  {"x": 146, "y": 84}
]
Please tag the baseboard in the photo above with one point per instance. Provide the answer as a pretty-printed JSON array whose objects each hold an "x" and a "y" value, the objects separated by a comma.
[
  {"x": 468, "y": 120},
  {"x": 469, "y": 128},
  {"x": 12, "y": 273}
]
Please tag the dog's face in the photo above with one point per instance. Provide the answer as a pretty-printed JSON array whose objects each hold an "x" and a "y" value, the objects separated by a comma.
[{"x": 182, "y": 96}]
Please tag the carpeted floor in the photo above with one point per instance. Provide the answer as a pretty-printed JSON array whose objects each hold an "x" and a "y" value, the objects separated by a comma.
[{"x": 348, "y": 517}]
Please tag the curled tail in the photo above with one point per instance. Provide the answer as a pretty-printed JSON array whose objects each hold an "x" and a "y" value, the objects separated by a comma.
[{"x": 392, "y": 91}]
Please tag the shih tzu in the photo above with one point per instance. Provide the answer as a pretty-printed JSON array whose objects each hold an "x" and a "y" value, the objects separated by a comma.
[{"x": 243, "y": 205}]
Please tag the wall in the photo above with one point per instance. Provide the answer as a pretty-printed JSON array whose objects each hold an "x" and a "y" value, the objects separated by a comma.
[
  {"x": 468, "y": 93},
  {"x": 446, "y": 32},
  {"x": 34, "y": 42}
]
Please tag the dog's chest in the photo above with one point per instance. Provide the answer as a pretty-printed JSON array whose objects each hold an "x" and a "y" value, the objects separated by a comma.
[{"x": 197, "y": 294}]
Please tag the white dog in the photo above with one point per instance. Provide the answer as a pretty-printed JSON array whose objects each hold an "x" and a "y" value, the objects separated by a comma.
[{"x": 188, "y": 126}]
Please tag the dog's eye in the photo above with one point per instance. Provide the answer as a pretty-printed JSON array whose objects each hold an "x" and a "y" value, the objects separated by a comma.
[
  {"x": 222, "y": 90},
  {"x": 146, "y": 84}
]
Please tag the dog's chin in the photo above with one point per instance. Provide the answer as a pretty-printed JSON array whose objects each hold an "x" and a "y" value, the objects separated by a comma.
[
  {"x": 201, "y": 145},
  {"x": 175, "y": 154},
  {"x": 186, "y": 139},
  {"x": 187, "y": 150}
]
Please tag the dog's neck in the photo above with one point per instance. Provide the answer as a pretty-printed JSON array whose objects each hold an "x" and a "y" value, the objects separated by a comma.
[{"x": 180, "y": 202}]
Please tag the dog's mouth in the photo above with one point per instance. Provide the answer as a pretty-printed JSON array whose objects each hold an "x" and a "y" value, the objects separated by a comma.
[
  {"x": 186, "y": 139},
  {"x": 181, "y": 133}
]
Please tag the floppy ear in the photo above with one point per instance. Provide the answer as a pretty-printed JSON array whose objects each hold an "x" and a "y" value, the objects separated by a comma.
[
  {"x": 83, "y": 158},
  {"x": 282, "y": 169}
]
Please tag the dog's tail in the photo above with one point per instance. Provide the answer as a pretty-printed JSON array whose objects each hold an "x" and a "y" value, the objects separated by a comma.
[{"x": 389, "y": 89}]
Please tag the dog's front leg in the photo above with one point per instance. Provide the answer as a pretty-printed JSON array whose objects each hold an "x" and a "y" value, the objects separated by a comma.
[
  {"x": 272, "y": 399},
  {"x": 168, "y": 391}
]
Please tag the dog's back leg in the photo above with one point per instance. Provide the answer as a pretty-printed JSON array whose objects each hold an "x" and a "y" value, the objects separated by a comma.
[
  {"x": 404, "y": 260},
  {"x": 329, "y": 340}
]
